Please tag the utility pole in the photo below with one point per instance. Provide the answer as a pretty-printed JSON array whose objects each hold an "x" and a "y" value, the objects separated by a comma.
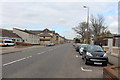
[{"x": 87, "y": 36}]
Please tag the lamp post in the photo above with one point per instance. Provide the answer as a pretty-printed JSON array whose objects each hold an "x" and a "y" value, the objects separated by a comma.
[{"x": 87, "y": 37}]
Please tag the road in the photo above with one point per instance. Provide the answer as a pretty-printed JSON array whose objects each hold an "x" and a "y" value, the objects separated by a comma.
[{"x": 60, "y": 61}]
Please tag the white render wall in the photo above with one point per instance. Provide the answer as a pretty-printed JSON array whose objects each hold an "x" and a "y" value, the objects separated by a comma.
[{"x": 28, "y": 38}]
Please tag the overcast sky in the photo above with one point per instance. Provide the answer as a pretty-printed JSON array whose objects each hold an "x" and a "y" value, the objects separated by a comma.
[{"x": 58, "y": 16}]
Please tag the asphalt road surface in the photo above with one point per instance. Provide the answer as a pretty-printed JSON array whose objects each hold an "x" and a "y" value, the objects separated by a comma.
[{"x": 60, "y": 61}]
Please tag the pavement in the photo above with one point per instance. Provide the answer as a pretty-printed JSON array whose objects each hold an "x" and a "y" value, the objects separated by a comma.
[
  {"x": 113, "y": 59},
  {"x": 7, "y": 50}
]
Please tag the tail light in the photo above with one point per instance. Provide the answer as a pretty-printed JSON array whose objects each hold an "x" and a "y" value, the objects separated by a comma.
[{"x": 78, "y": 47}]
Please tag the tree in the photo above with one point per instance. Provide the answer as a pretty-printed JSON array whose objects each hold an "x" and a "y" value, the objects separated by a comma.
[
  {"x": 81, "y": 30},
  {"x": 77, "y": 40},
  {"x": 97, "y": 26}
]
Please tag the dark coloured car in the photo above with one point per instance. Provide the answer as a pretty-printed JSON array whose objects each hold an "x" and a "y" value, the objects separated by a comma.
[{"x": 94, "y": 54}]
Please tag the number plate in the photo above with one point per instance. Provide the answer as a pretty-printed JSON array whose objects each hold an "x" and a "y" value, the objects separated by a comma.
[{"x": 97, "y": 63}]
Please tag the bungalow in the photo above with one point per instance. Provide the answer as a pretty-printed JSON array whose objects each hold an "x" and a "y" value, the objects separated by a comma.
[
  {"x": 8, "y": 34},
  {"x": 27, "y": 36},
  {"x": 116, "y": 40}
]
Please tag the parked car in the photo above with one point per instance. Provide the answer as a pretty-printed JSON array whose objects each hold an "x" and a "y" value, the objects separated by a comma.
[
  {"x": 74, "y": 44},
  {"x": 50, "y": 44},
  {"x": 6, "y": 42},
  {"x": 94, "y": 54},
  {"x": 77, "y": 47},
  {"x": 82, "y": 48}
]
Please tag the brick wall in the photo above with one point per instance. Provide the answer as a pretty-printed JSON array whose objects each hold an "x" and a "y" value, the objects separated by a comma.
[{"x": 110, "y": 74}]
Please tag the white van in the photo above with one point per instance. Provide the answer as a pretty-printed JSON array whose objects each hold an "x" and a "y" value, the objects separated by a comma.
[{"x": 6, "y": 42}]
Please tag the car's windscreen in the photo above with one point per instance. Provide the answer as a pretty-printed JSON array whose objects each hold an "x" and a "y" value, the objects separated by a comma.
[
  {"x": 84, "y": 46},
  {"x": 1, "y": 41},
  {"x": 78, "y": 44},
  {"x": 8, "y": 42},
  {"x": 95, "y": 49}
]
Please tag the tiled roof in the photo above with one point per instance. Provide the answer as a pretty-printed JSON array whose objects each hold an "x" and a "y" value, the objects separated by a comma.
[
  {"x": 41, "y": 31},
  {"x": 8, "y": 33},
  {"x": 56, "y": 34},
  {"x": 117, "y": 35},
  {"x": 26, "y": 31},
  {"x": 35, "y": 31}
]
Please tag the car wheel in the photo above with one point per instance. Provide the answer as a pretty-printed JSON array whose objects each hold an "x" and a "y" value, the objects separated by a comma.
[
  {"x": 104, "y": 64},
  {"x": 82, "y": 57},
  {"x": 86, "y": 62},
  {"x": 80, "y": 53}
]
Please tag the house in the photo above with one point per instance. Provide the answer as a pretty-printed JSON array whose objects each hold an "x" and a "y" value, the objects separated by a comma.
[
  {"x": 47, "y": 36},
  {"x": 8, "y": 34},
  {"x": 57, "y": 40},
  {"x": 116, "y": 40},
  {"x": 111, "y": 44},
  {"x": 62, "y": 39},
  {"x": 27, "y": 36}
]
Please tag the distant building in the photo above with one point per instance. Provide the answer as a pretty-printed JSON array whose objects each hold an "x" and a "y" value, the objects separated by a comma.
[
  {"x": 47, "y": 36},
  {"x": 8, "y": 34},
  {"x": 27, "y": 36}
]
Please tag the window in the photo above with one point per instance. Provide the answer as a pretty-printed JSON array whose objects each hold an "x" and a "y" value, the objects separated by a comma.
[
  {"x": 1, "y": 41},
  {"x": 18, "y": 40},
  {"x": 9, "y": 42}
]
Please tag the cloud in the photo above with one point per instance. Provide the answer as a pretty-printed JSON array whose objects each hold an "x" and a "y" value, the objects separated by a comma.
[
  {"x": 114, "y": 27},
  {"x": 60, "y": 16},
  {"x": 59, "y": 1}
]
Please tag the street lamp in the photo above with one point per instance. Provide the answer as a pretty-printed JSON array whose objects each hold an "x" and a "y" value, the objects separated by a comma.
[{"x": 87, "y": 23}]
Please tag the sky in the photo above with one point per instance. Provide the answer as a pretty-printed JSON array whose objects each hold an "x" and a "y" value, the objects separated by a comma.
[{"x": 60, "y": 16}]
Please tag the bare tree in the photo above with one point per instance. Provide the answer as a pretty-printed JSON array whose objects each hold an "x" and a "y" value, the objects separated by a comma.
[
  {"x": 98, "y": 26},
  {"x": 81, "y": 30}
]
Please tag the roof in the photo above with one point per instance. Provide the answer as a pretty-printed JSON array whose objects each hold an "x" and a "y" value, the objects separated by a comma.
[
  {"x": 47, "y": 30},
  {"x": 26, "y": 31},
  {"x": 117, "y": 35},
  {"x": 35, "y": 31},
  {"x": 56, "y": 34},
  {"x": 45, "y": 35},
  {"x": 8, "y": 33},
  {"x": 41, "y": 31}
]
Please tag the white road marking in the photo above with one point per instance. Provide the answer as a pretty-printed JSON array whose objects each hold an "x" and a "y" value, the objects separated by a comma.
[
  {"x": 17, "y": 61},
  {"x": 26, "y": 58},
  {"x": 76, "y": 55},
  {"x": 41, "y": 52},
  {"x": 85, "y": 69},
  {"x": 14, "y": 61},
  {"x": 29, "y": 57}
]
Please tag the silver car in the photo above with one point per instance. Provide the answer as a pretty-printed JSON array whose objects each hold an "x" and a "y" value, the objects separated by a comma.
[{"x": 82, "y": 48}]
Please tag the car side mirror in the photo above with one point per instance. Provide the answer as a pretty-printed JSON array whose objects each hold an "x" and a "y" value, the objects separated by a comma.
[
  {"x": 105, "y": 51},
  {"x": 84, "y": 50}
]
